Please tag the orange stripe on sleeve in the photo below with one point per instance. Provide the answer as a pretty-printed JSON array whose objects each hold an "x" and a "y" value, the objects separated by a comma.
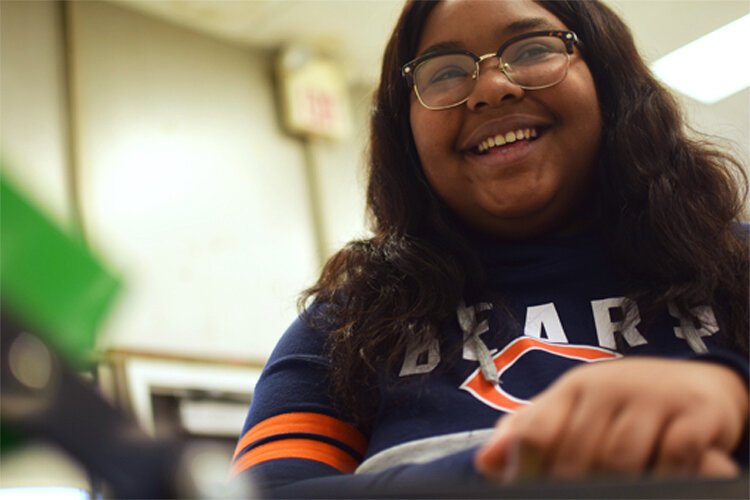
[
  {"x": 305, "y": 422},
  {"x": 297, "y": 448}
]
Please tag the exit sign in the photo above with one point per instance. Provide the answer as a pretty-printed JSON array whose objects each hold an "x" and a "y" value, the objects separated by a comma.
[{"x": 314, "y": 95}]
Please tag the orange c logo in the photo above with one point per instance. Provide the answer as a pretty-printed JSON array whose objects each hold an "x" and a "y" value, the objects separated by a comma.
[{"x": 496, "y": 397}]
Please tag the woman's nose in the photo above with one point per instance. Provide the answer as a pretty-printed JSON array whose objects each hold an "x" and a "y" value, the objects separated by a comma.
[{"x": 492, "y": 87}]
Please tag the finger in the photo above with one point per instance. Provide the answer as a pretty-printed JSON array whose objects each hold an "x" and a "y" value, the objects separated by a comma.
[
  {"x": 630, "y": 442},
  {"x": 522, "y": 440},
  {"x": 538, "y": 431},
  {"x": 730, "y": 418},
  {"x": 508, "y": 459},
  {"x": 684, "y": 442},
  {"x": 576, "y": 454},
  {"x": 717, "y": 464},
  {"x": 492, "y": 457},
  {"x": 502, "y": 470}
]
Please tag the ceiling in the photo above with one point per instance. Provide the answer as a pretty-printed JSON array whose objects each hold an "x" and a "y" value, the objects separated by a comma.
[{"x": 355, "y": 32}]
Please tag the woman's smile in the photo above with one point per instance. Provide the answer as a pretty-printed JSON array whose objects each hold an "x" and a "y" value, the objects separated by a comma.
[
  {"x": 504, "y": 141},
  {"x": 504, "y": 149},
  {"x": 494, "y": 143}
]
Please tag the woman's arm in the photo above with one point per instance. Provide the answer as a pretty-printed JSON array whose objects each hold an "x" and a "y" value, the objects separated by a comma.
[{"x": 296, "y": 444}]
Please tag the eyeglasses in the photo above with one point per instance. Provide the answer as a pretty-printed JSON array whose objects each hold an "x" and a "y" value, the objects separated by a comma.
[{"x": 446, "y": 78}]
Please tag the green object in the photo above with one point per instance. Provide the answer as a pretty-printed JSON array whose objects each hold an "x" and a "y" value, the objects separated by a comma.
[
  {"x": 49, "y": 280},
  {"x": 10, "y": 438}
]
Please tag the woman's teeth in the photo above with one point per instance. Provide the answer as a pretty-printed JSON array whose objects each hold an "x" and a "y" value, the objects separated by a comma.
[{"x": 507, "y": 138}]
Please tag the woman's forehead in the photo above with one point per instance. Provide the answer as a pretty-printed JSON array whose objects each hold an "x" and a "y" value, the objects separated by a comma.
[{"x": 474, "y": 22}]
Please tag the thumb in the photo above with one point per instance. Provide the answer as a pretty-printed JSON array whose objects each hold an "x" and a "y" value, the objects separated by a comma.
[{"x": 498, "y": 457}]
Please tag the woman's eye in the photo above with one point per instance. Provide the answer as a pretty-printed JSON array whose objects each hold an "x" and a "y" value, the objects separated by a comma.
[
  {"x": 531, "y": 53},
  {"x": 448, "y": 73}
]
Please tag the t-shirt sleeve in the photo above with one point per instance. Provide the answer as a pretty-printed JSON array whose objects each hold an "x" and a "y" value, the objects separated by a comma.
[
  {"x": 295, "y": 444},
  {"x": 292, "y": 430}
]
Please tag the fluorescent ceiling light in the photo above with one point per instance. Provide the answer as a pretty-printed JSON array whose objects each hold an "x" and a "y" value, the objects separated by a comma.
[{"x": 712, "y": 67}]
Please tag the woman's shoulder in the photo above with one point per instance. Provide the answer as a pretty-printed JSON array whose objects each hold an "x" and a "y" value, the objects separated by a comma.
[{"x": 306, "y": 335}]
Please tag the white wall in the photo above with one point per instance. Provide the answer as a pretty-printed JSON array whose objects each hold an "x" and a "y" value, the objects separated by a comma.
[
  {"x": 188, "y": 186},
  {"x": 32, "y": 115},
  {"x": 340, "y": 177}
]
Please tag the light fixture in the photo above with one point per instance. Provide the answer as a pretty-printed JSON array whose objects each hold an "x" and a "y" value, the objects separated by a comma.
[{"x": 712, "y": 67}]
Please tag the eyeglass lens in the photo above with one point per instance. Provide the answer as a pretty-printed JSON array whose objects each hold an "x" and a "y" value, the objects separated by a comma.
[{"x": 534, "y": 62}]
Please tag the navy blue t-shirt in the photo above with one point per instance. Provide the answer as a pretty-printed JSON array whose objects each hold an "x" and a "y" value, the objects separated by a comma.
[{"x": 556, "y": 303}]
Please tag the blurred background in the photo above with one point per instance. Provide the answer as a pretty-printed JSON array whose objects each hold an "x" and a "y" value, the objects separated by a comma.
[{"x": 212, "y": 153}]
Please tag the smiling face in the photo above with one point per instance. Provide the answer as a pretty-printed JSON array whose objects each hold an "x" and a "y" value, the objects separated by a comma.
[{"x": 533, "y": 185}]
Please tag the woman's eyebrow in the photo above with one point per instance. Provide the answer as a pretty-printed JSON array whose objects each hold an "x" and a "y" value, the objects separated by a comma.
[
  {"x": 516, "y": 27},
  {"x": 441, "y": 46},
  {"x": 532, "y": 23}
]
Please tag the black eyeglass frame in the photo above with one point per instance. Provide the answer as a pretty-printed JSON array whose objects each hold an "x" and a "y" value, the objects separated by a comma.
[{"x": 568, "y": 37}]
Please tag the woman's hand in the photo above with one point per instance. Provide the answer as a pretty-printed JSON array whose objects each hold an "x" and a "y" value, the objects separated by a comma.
[{"x": 629, "y": 416}]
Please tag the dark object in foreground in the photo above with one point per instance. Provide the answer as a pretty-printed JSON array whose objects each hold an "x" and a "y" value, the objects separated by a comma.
[
  {"x": 738, "y": 488},
  {"x": 612, "y": 489},
  {"x": 43, "y": 398}
]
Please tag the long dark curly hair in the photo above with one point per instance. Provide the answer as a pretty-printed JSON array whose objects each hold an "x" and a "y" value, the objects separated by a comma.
[{"x": 667, "y": 199}]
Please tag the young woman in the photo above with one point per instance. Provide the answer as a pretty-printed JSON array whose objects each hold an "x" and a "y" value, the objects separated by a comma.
[{"x": 552, "y": 251}]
